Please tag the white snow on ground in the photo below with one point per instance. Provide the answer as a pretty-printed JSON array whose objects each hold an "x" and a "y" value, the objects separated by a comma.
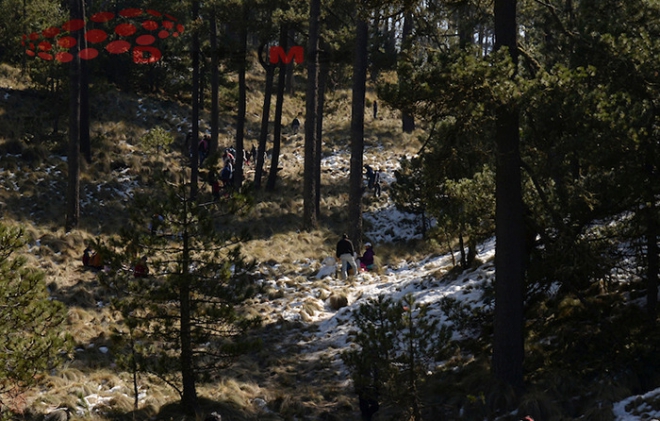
[{"x": 423, "y": 279}]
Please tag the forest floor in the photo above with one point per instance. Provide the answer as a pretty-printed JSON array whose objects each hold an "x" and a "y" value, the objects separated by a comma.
[{"x": 278, "y": 382}]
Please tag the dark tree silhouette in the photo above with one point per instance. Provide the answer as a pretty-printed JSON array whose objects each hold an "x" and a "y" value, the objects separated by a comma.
[
  {"x": 508, "y": 352},
  {"x": 279, "y": 103},
  {"x": 75, "y": 103},
  {"x": 357, "y": 132},
  {"x": 310, "y": 220}
]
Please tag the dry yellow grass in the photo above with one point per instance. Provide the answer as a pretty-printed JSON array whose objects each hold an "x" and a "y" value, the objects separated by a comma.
[{"x": 289, "y": 385}]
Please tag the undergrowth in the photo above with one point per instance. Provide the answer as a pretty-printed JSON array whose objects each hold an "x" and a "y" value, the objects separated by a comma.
[{"x": 579, "y": 358}]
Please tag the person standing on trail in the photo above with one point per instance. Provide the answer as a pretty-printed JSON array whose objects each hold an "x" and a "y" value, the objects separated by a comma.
[
  {"x": 370, "y": 176},
  {"x": 295, "y": 125},
  {"x": 346, "y": 254},
  {"x": 377, "y": 183}
]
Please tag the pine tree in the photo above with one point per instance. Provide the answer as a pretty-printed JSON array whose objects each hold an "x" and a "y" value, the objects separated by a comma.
[
  {"x": 31, "y": 323},
  {"x": 395, "y": 342},
  {"x": 409, "y": 190},
  {"x": 184, "y": 311}
]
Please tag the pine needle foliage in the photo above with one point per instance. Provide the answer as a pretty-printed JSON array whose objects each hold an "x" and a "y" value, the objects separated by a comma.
[
  {"x": 31, "y": 324},
  {"x": 182, "y": 322},
  {"x": 396, "y": 342}
]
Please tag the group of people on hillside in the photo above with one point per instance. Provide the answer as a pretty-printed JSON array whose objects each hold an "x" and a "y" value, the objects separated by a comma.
[
  {"x": 92, "y": 259},
  {"x": 226, "y": 177},
  {"x": 373, "y": 180},
  {"x": 348, "y": 257}
]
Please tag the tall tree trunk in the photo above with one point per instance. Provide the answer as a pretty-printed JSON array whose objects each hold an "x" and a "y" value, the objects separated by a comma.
[
  {"x": 242, "y": 101},
  {"x": 290, "y": 77},
  {"x": 652, "y": 250},
  {"x": 324, "y": 69},
  {"x": 73, "y": 162},
  {"x": 265, "y": 118},
  {"x": 357, "y": 133},
  {"x": 652, "y": 264},
  {"x": 85, "y": 141},
  {"x": 407, "y": 120},
  {"x": 508, "y": 346},
  {"x": 194, "y": 156},
  {"x": 463, "y": 25},
  {"x": 189, "y": 395},
  {"x": 310, "y": 220},
  {"x": 277, "y": 130},
  {"x": 215, "y": 76}
]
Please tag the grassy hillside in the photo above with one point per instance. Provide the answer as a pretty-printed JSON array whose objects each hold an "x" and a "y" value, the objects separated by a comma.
[{"x": 32, "y": 194}]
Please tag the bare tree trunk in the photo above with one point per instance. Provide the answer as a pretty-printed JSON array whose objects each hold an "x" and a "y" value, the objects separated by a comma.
[
  {"x": 277, "y": 130},
  {"x": 263, "y": 135},
  {"x": 652, "y": 250},
  {"x": 652, "y": 264},
  {"x": 242, "y": 102},
  {"x": 357, "y": 133},
  {"x": 290, "y": 77},
  {"x": 324, "y": 69},
  {"x": 85, "y": 141},
  {"x": 189, "y": 395},
  {"x": 508, "y": 341},
  {"x": 407, "y": 120},
  {"x": 215, "y": 63},
  {"x": 73, "y": 187},
  {"x": 194, "y": 147},
  {"x": 310, "y": 220}
]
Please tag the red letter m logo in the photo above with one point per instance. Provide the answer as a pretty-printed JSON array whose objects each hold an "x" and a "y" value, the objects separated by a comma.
[{"x": 277, "y": 55}]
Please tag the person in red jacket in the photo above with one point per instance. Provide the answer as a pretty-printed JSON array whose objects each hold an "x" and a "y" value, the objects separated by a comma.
[{"x": 141, "y": 270}]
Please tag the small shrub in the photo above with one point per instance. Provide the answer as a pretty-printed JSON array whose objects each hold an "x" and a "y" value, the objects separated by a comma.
[
  {"x": 35, "y": 154},
  {"x": 157, "y": 139},
  {"x": 12, "y": 147},
  {"x": 338, "y": 301}
]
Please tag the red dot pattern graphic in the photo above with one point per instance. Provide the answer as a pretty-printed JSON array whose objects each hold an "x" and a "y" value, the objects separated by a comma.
[
  {"x": 150, "y": 25},
  {"x": 45, "y": 46},
  {"x": 96, "y": 36},
  {"x": 74, "y": 25},
  {"x": 67, "y": 42},
  {"x": 102, "y": 17},
  {"x": 88, "y": 53},
  {"x": 118, "y": 47},
  {"x": 64, "y": 57},
  {"x": 130, "y": 13},
  {"x": 131, "y": 30},
  {"x": 145, "y": 40},
  {"x": 51, "y": 32},
  {"x": 125, "y": 29}
]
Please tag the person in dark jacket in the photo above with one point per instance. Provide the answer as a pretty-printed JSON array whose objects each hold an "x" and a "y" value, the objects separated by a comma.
[
  {"x": 346, "y": 254},
  {"x": 371, "y": 175},
  {"x": 377, "y": 183},
  {"x": 295, "y": 125}
]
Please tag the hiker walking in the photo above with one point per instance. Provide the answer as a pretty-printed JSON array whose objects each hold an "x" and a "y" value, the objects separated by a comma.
[
  {"x": 377, "y": 183},
  {"x": 295, "y": 125},
  {"x": 370, "y": 176},
  {"x": 203, "y": 148},
  {"x": 346, "y": 254}
]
